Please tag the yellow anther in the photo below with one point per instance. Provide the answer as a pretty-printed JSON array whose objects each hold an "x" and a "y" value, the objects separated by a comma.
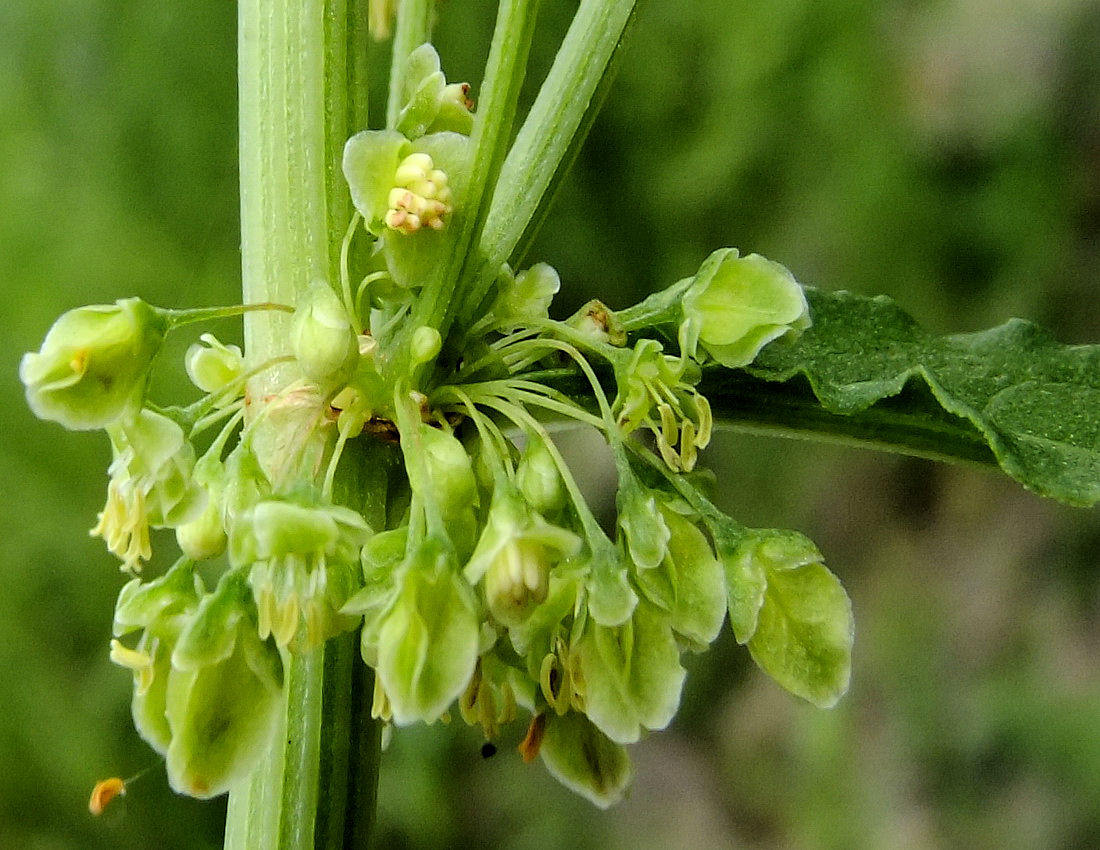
[
  {"x": 420, "y": 197},
  {"x": 105, "y": 790}
]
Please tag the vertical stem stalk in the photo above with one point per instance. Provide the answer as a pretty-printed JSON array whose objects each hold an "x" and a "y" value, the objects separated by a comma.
[{"x": 294, "y": 75}]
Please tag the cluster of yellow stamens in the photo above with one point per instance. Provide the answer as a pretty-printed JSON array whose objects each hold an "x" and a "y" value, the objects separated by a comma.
[{"x": 420, "y": 196}]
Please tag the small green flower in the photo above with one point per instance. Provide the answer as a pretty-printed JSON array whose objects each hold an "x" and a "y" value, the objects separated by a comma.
[
  {"x": 630, "y": 675},
  {"x": 151, "y": 485},
  {"x": 657, "y": 391},
  {"x": 214, "y": 367},
  {"x": 527, "y": 295},
  {"x": 790, "y": 610},
  {"x": 737, "y": 305},
  {"x": 93, "y": 364},
  {"x": 160, "y": 609},
  {"x": 224, "y": 693},
  {"x": 428, "y": 643},
  {"x": 431, "y": 105},
  {"x": 689, "y": 583},
  {"x": 515, "y": 554},
  {"x": 539, "y": 479},
  {"x": 304, "y": 567}
]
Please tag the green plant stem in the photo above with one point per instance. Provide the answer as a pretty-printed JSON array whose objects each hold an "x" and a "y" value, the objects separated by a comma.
[
  {"x": 504, "y": 73},
  {"x": 412, "y": 29},
  {"x": 554, "y": 130},
  {"x": 315, "y": 787},
  {"x": 910, "y": 423}
]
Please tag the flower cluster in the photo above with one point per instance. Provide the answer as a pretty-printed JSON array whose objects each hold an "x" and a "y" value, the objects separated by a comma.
[{"x": 400, "y": 481}]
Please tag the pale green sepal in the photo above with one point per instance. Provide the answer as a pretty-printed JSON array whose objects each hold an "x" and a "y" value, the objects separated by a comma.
[
  {"x": 690, "y": 578},
  {"x": 804, "y": 635},
  {"x": 748, "y": 558},
  {"x": 737, "y": 305},
  {"x": 427, "y": 646},
  {"x": 93, "y": 364},
  {"x": 632, "y": 678},
  {"x": 222, "y": 717},
  {"x": 141, "y": 603},
  {"x": 645, "y": 529},
  {"x": 585, "y": 760},
  {"x": 161, "y": 608},
  {"x": 370, "y": 161},
  {"x": 382, "y": 555},
  {"x": 210, "y": 635},
  {"x": 149, "y": 703},
  {"x": 611, "y": 599}
]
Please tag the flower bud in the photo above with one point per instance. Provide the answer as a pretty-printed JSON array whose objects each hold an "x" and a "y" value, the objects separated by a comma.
[
  {"x": 528, "y": 294},
  {"x": 421, "y": 196},
  {"x": 323, "y": 339},
  {"x": 93, "y": 364},
  {"x": 539, "y": 479},
  {"x": 425, "y": 344},
  {"x": 212, "y": 366},
  {"x": 737, "y": 305},
  {"x": 430, "y": 105},
  {"x": 204, "y": 537},
  {"x": 450, "y": 472}
]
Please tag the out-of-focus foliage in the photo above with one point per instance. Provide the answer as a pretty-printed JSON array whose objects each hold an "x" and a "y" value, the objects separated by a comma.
[{"x": 943, "y": 153}]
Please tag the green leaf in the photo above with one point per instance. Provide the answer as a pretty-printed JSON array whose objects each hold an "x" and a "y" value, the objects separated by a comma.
[
  {"x": 803, "y": 636},
  {"x": 1033, "y": 401}
]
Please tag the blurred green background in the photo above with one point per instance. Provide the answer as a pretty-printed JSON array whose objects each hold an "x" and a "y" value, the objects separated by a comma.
[{"x": 944, "y": 152}]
